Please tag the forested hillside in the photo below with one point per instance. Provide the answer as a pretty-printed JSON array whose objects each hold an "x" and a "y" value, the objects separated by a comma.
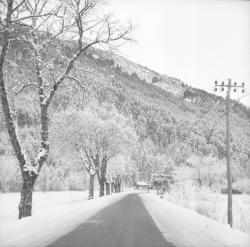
[{"x": 159, "y": 121}]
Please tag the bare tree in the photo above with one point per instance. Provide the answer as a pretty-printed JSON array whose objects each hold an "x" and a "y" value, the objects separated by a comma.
[{"x": 47, "y": 26}]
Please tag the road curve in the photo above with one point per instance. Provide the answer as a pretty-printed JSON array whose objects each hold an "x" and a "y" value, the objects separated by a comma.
[{"x": 123, "y": 224}]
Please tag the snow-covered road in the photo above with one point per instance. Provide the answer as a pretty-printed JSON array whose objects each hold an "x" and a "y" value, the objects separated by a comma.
[
  {"x": 54, "y": 219},
  {"x": 125, "y": 219}
]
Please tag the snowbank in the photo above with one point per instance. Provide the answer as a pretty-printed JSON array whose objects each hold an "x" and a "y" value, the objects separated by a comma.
[
  {"x": 54, "y": 216},
  {"x": 9, "y": 202},
  {"x": 185, "y": 228}
]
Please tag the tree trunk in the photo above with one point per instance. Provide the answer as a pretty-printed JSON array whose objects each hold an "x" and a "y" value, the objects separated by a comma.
[
  {"x": 119, "y": 186},
  {"x": 101, "y": 192},
  {"x": 25, "y": 206},
  {"x": 103, "y": 176},
  {"x": 91, "y": 186},
  {"x": 112, "y": 187},
  {"x": 115, "y": 185},
  {"x": 107, "y": 188}
]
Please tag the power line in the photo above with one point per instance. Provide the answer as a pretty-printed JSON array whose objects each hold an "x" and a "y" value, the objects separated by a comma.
[
  {"x": 235, "y": 59},
  {"x": 243, "y": 96},
  {"x": 214, "y": 109}
]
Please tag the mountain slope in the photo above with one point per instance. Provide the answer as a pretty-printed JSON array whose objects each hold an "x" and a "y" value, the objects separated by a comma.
[
  {"x": 169, "y": 84},
  {"x": 177, "y": 118}
]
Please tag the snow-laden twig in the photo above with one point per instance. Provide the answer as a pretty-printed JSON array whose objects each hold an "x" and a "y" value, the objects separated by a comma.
[
  {"x": 34, "y": 168},
  {"x": 28, "y": 167}
]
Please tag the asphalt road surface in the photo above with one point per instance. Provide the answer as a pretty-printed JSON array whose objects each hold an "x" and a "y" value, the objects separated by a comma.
[{"x": 123, "y": 224}]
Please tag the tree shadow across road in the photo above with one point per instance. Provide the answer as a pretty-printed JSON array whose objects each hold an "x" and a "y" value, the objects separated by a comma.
[{"x": 126, "y": 223}]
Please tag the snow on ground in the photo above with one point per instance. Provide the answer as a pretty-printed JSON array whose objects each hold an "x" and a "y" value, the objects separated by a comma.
[
  {"x": 54, "y": 215},
  {"x": 57, "y": 213},
  {"x": 213, "y": 205},
  {"x": 185, "y": 227},
  {"x": 9, "y": 202}
]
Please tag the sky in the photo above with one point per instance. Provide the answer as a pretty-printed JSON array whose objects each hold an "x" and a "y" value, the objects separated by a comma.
[{"x": 197, "y": 41}]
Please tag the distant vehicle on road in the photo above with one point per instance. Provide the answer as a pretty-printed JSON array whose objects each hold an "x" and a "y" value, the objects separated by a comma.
[{"x": 141, "y": 185}]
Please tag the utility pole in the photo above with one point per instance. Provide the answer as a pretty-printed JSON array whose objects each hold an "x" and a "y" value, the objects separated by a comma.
[{"x": 229, "y": 86}]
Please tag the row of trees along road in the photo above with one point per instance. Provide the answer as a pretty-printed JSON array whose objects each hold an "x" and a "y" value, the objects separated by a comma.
[
  {"x": 94, "y": 135},
  {"x": 42, "y": 26}
]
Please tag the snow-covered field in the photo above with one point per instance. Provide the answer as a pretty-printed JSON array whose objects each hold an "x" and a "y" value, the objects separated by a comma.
[
  {"x": 214, "y": 205},
  {"x": 185, "y": 227},
  {"x": 54, "y": 214}
]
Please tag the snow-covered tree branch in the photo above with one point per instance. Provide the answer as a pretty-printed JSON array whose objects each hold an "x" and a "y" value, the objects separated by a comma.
[{"x": 44, "y": 28}]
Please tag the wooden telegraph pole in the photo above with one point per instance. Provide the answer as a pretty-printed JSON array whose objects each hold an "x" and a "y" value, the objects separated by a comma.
[{"x": 229, "y": 86}]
